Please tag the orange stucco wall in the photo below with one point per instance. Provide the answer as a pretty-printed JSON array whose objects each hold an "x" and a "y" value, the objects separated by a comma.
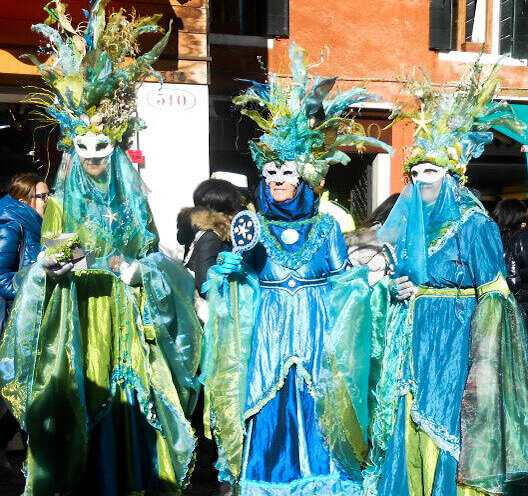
[{"x": 376, "y": 42}]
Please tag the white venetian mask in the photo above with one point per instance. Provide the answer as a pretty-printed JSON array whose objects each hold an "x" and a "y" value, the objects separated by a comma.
[
  {"x": 284, "y": 173},
  {"x": 427, "y": 173},
  {"x": 93, "y": 145}
]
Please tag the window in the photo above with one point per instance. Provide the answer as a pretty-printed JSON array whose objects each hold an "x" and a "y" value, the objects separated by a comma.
[
  {"x": 495, "y": 26},
  {"x": 250, "y": 17}
]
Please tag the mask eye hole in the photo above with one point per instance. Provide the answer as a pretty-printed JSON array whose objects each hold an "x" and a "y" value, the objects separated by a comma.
[
  {"x": 272, "y": 172},
  {"x": 82, "y": 146},
  {"x": 287, "y": 173},
  {"x": 414, "y": 173},
  {"x": 101, "y": 146}
]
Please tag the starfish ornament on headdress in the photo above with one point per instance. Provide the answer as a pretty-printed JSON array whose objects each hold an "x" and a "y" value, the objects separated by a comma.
[{"x": 453, "y": 125}]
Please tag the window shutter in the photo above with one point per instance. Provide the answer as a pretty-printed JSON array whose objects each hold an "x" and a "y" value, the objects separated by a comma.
[
  {"x": 471, "y": 7},
  {"x": 506, "y": 26},
  {"x": 441, "y": 25},
  {"x": 278, "y": 18},
  {"x": 520, "y": 29}
]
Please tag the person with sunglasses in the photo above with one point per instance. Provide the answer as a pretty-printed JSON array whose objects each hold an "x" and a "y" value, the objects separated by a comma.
[{"x": 21, "y": 212}]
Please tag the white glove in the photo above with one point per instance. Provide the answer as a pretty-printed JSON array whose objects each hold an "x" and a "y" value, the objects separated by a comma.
[
  {"x": 52, "y": 268},
  {"x": 404, "y": 288},
  {"x": 130, "y": 273}
]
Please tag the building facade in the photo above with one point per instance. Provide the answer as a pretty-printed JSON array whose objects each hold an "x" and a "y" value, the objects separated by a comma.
[
  {"x": 193, "y": 128},
  {"x": 377, "y": 44}
]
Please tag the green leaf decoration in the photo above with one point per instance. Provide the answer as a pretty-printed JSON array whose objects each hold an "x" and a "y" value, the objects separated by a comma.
[{"x": 256, "y": 117}]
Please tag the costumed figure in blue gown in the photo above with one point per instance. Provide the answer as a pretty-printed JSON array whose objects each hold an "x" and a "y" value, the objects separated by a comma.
[
  {"x": 452, "y": 401},
  {"x": 288, "y": 340},
  {"x": 99, "y": 358}
]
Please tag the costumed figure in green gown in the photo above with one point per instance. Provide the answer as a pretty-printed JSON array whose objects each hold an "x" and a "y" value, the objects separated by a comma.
[
  {"x": 287, "y": 354},
  {"x": 100, "y": 355},
  {"x": 452, "y": 400}
]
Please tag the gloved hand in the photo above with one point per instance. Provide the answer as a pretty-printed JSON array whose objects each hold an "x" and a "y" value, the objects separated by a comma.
[
  {"x": 56, "y": 270},
  {"x": 130, "y": 273},
  {"x": 403, "y": 288},
  {"x": 228, "y": 262}
]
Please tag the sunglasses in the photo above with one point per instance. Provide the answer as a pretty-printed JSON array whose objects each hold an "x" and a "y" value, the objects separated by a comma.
[{"x": 42, "y": 196}]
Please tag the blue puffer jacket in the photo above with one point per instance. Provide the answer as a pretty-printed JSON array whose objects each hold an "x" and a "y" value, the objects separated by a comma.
[{"x": 14, "y": 214}]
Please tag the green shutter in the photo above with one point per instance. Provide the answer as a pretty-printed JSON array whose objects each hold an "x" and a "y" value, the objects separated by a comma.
[
  {"x": 441, "y": 25},
  {"x": 520, "y": 29},
  {"x": 471, "y": 7},
  {"x": 278, "y": 18},
  {"x": 506, "y": 26}
]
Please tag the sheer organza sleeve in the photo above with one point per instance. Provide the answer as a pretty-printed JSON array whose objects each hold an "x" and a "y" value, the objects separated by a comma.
[
  {"x": 342, "y": 388},
  {"x": 232, "y": 303},
  {"x": 52, "y": 221},
  {"x": 494, "y": 418}
]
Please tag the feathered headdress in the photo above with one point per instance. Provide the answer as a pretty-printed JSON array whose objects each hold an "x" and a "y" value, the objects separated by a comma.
[
  {"x": 302, "y": 121},
  {"x": 453, "y": 125},
  {"x": 93, "y": 71}
]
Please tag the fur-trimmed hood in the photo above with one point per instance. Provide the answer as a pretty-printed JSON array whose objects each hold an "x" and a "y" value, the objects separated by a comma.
[{"x": 204, "y": 219}]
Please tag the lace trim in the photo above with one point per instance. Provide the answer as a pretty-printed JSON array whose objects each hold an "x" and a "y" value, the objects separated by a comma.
[
  {"x": 437, "y": 433},
  {"x": 126, "y": 376},
  {"x": 440, "y": 435},
  {"x": 293, "y": 260},
  {"x": 322, "y": 485},
  {"x": 292, "y": 224},
  {"x": 279, "y": 383},
  {"x": 449, "y": 230}
]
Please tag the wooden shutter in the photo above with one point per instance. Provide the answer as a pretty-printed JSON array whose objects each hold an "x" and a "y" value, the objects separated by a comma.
[
  {"x": 520, "y": 29},
  {"x": 277, "y": 18},
  {"x": 441, "y": 25}
]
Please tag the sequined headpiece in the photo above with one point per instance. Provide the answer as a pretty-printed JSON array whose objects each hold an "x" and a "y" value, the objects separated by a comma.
[
  {"x": 93, "y": 71},
  {"x": 303, "y": 122},
  {"x": 453, "y": 124}
]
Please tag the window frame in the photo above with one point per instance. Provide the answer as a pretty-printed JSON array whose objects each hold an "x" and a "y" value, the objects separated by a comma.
[
  {"x": 461, "y": 34},
  {"x": 458, "y": 54}
]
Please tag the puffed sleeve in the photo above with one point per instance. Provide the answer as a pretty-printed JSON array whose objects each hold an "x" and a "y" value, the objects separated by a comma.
[{"x": 486, "y": 258}]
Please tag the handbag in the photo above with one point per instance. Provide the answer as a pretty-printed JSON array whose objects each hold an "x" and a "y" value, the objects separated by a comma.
[{"x": 5, "y": 305}]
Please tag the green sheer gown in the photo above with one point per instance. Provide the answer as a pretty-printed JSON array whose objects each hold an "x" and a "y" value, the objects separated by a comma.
[{"x": 101, "y": 374}]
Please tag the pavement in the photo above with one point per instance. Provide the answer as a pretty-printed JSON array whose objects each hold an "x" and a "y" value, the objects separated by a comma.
[
  {"x": 12, "y": 483},
  {"x": 203, "y": 481}
]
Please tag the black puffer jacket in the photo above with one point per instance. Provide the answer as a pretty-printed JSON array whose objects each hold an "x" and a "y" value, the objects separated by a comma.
[
  {"x": 516, "y": 256},
  {"x": 204, "y": 233}
]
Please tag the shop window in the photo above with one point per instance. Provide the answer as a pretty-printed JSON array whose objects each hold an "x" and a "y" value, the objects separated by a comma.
[{"x": 469, "y": 25}]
